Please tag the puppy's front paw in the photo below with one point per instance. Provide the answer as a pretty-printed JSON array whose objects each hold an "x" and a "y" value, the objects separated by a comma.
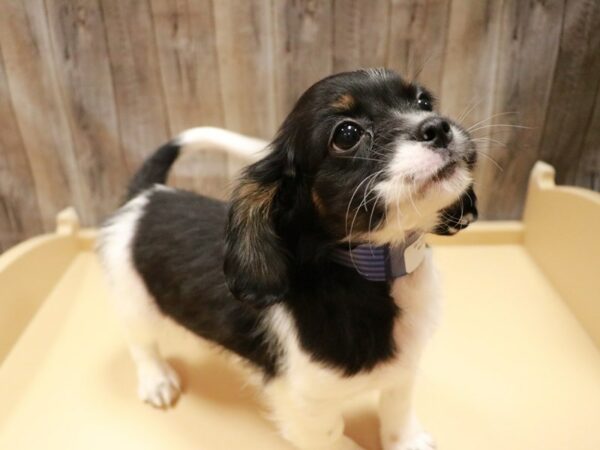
[
  {"x": 158, "y": 384},
  {"x": 459, "y": 215},
  {"x": 418, "y": 441}
]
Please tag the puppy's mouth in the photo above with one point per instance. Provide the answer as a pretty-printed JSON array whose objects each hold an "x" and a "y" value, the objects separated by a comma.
[
  {"x": 445, "y": 171},
  {"x": 442, "y": 174}
]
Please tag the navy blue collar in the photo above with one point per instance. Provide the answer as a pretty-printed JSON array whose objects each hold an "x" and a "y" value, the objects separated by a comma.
[{"x": 383, "y": 263}]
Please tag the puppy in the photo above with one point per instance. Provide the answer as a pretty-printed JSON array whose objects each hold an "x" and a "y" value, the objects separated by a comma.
[{"x": 315, "y": 272}]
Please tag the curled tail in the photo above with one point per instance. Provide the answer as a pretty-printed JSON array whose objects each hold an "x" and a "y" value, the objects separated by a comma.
[{"x": 156, "y": 168}]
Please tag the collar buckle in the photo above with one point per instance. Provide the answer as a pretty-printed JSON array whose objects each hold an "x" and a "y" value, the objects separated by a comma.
[{"x": 384, "y": 263}]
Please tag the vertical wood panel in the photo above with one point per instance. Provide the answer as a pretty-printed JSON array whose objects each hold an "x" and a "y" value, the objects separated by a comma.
[
  {"x": 135, "y": 71},
  {"x": 357, "y": 42},
  {"x": 417, "y": 40},
  {"x": 19, "y": 210},
  {"x": 185, "y": 37},
  {"x": 574, "y": 91},
  {"x": 243, "y": 35},
  {"x": 79, "y": 48},
  {"x": 470, "y": 60},
  {"x": 40, "y": 117},
  {"x": 588, "y": 168},
  {"x": 523, "y": 83},
  {"x": 302, "y": 38}
]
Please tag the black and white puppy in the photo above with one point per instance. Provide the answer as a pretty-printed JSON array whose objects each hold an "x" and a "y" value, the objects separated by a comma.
[{"x": 315, "y": 272}]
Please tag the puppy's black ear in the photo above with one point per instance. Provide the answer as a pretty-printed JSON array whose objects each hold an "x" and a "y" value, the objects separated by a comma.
[
  {"x": 459, "y": 215},
  {"x": 256, "y": 259}
]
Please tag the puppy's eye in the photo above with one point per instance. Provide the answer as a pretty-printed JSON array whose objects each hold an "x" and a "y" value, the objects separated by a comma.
[
  {"x": 346, "y": 136},
  {"x": 424, "y": 102}
]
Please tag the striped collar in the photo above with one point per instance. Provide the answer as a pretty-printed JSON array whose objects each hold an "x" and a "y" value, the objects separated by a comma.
[{"x": 383, "y": 263}]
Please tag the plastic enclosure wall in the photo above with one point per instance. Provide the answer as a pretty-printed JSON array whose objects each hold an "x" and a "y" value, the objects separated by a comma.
[
  {"x": 562, "y": 234},
  {"x": 29, "y": 271}
]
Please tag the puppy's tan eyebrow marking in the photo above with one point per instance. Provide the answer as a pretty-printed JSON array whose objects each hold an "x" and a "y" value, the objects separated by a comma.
[
  {"x": 318, "y": 202},
  {"x": 344, "y": 102}
]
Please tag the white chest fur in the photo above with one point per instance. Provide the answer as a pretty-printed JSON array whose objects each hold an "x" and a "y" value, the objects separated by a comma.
[{"x": 417, "y": 296}]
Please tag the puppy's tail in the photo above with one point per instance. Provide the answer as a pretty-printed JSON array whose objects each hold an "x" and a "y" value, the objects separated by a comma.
[{"x": 156, "y": 168}]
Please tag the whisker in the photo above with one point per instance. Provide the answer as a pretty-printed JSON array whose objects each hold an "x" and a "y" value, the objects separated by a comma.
[
  {"x": 369, "y": 177},
  {"x": 490, "y": 118},
  {"x": 498, "y": 166},
  {"x": 350, "y": 236},
  {"x": 410, "y": 197},
  {"x": 373, "y": 210},
  {"x": 468, "y": 110},
  {"x": 352, "y": 198},
  {"x": 487, "y": 139},
  {"x": 415, "y": 77},
  {"x": 367, "y": 191},
  {"x": 398, "y": 210},
  {"x": 500, "y": 125},
  {"x": 469, "y": 197}
]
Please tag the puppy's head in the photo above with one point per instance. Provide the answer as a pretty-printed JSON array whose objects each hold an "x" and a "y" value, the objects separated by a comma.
[{"x": 362, "y": 157}]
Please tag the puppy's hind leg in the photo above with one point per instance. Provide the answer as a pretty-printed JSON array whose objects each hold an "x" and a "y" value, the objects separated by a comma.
[{"x": 158, "y": 383}]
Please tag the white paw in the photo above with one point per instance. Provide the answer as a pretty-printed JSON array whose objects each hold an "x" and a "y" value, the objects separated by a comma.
[
  {"x": 420, "y": 441},
  {"x": 466, "y": 219},
  {"x": 453, "y": 230},
  {"x": 158, "y": 384}
]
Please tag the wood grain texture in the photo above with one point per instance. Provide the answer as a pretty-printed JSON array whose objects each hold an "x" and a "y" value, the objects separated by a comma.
[
  {"x": 417, "y": 39},
  {"x": 302, "y": 38},
  {"x": 90, "y": 87},
  {"x": 19, "y": 210},
  {"x": 588, "y": 167},
  {"x": 521, "y": 96},
  {"x": 243, "y": 33},
  {"x": 470, "y": 59},
  {"x": 38, "y": 111},
  {"x": 356, "y": 42},
  {"x": 185, "y": 38},
  {"x": 82, "y": 64},
  {"x": 135, "y": 71},
  {"x": 569, "y": 122}
]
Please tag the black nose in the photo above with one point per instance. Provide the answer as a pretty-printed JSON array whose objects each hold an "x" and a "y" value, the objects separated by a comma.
[{"x": 435, "y": 131}]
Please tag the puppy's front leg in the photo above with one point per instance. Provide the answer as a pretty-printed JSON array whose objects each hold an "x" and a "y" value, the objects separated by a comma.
[
  {"x": 400, "y": 429},
  {"x": 307, "y": 423}
]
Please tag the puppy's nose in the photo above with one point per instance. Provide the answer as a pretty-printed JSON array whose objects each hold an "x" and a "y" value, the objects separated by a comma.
[{"x": 435, "y": 131}]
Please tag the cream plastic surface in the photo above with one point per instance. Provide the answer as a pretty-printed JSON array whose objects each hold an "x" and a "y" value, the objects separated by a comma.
[{"x": 513, "y": 364}]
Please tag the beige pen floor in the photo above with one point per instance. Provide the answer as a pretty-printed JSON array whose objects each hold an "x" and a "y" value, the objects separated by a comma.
[{"x": 509, "y": 368}]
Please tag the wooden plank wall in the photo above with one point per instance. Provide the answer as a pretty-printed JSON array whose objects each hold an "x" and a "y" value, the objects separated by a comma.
[{"x": 88, "y": 88}]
